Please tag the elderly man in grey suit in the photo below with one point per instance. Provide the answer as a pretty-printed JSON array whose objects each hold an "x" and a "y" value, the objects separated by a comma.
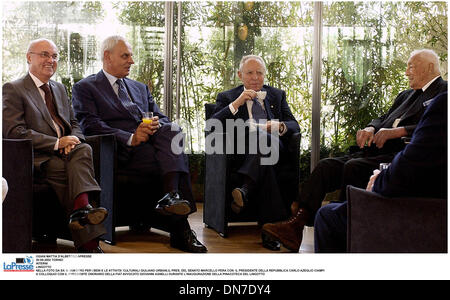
[{"x": 37, "y": 108}]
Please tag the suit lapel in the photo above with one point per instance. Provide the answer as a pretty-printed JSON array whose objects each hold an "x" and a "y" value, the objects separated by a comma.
[
  {"x": 429, "y": 93},
  {"x": 109, "y": 94},
  {"x": 35, "y": 97},
  {"x": 134, "y": 93},
  {"x": 267, "y": 104},
  {"x": 57, "y": 98},
  {"x": 243, "y": 113}
]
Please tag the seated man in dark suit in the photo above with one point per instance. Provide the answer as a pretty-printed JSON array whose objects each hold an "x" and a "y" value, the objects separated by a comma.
[
  {"x": 110, "y": 103},
  {"x": 267, "y": 113},
  {"x": 383, "y": 139},
  {"x": 37, "y": 108},
  {"x": 420, "y": 170}
]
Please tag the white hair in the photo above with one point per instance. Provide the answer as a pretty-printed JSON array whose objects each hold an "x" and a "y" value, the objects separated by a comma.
[
  {"x": 109, "y": 43},
  {"x": 249, "y": 57},
  {"x": 430, "y": 56}
]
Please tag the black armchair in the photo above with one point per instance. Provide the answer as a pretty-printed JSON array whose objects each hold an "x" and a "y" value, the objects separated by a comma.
[
  {"x": 130, "y": 197},
  {"x": 30, "y": 206},
  {"x": 221, "y": 178},
  {"x": 378, "y": 224},
  {"x": 135, "y": 198},
  {"x": 17, "y": 210}
]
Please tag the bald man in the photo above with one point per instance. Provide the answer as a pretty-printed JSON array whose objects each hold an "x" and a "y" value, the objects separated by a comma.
[
  {"x": 378, "y": 143},
  {"x": 37, "y": 108}
]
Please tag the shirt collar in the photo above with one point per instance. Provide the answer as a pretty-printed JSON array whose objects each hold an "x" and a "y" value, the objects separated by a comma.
[
  {"x": 111, "y": 78},
  {"x": 429, "y": 83},
  {"x": 36, "y": 80}
]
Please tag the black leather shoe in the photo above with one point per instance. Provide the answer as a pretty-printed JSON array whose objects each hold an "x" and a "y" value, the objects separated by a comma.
[
  {"x": 239, "y": 200},
  {"x": 270, "y": 243},
  {"x": 87, "y": 215},
  {"x": 96, "y": 250},
  {"x": 140, "y": 227},
  {"x": 172, "y": 204},
  {"x": 187, "y": 242}
]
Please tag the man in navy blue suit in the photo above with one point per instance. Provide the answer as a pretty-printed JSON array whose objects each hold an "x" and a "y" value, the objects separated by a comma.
[
  {"x": 110, "y": 103},
  {"x": 266, "y": 110},
  {"x": 420, "y": 170}
]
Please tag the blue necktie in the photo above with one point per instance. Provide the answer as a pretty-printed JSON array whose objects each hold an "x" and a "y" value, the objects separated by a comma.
[
  {"x": 258, "y": 111},
  {"x": 126, "y": 101}
]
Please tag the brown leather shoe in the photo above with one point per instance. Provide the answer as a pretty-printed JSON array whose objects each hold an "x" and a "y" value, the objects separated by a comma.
[
  {"x": 294, "y": 208},
  {"x": 290, "y": 232},
  {"x": 239, "y": 200}
]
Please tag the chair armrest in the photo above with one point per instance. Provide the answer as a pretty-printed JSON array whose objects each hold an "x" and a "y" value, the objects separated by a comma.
[
  {"x": 215, "y": 184},
  {"x": 17, "y": 168},
  {"x": 294, "y": 153},
  {"x": 103, "y": 154},
  {"x": 381, "y": 224},
  {"x": 294, "y": 143},
  {"x": 104, "y": 159}
]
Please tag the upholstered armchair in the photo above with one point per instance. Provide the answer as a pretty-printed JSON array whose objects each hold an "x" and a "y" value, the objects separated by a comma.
[
  {"x": 378, "y": 224},
  {"x": 221, "y": 178}
]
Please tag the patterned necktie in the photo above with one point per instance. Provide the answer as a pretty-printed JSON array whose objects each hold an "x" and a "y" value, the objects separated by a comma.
[
  {"x": 132, "y": 108},
  {"x": 258, "y": 111},
  {"x": 52, "y": 108}
]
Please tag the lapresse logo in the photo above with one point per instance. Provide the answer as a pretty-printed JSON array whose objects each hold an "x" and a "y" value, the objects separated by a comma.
[{"x": 22, "y": 264}]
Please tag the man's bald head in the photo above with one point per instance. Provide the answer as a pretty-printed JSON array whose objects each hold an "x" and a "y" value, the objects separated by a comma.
[{"x": 423, "y": 66}]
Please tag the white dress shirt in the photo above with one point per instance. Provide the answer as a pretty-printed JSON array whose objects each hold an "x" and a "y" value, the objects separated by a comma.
[
  {"x": 113, "y": 81},
  {"x": 283, "y": 127}
]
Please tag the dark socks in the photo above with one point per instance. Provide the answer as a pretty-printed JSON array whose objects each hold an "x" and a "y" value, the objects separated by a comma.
[
  {"x": 185, "y": 187},
  {"x": 180, "y": 182},
  {"x": 248, "y": 185},
  {"x": 171, "y": 181},
  {"x": 178, "y": 224}
]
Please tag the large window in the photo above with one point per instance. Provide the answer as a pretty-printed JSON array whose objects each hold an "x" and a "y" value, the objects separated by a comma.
[
  {"x": 365, "y": 49},
  {"x": 78, "y": 28},
  {"x": 365, "y": 46},
  {"x": 216, "y": 35}
]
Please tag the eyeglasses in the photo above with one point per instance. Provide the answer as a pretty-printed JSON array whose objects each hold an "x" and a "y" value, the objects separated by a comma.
[{"x": 47, "y": 55}]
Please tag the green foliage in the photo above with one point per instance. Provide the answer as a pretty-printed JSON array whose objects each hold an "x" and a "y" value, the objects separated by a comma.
[
  {"x": 29, "y": 20},
  {"x": 365, "y": 49}
]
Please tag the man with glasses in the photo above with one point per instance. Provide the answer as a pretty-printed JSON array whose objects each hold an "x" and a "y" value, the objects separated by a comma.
[{"x": 37, "y": 108}]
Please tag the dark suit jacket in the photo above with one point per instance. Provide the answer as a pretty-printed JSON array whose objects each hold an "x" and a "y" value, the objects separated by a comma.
[
  {"x": 275, "y": 104},
  {"x": 420, "y": 170},
  {"x": 414, "y": 113},
  {"x": 411, "y": 118},
  {"x": 25, "y": 116},
  {"x": 101, "y": 112}
]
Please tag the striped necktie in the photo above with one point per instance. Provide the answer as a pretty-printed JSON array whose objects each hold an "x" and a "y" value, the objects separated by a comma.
[
  {"x": 132, "y": 108},
  {"x": 258, "y": 111},
  {"x": 52, "y": 108}
]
